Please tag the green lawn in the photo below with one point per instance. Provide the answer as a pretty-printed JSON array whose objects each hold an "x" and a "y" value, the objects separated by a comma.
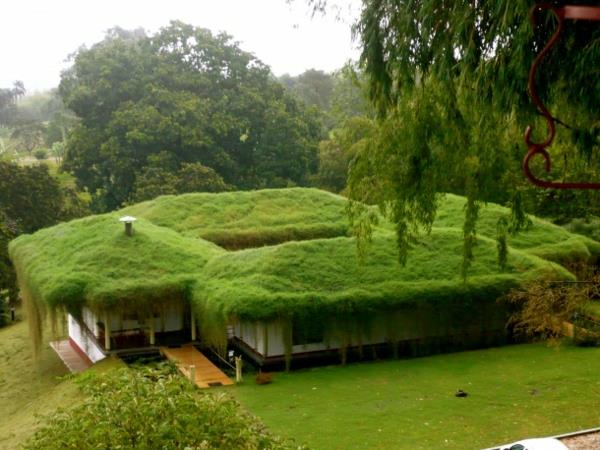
[{"x": 514, "y": 392}]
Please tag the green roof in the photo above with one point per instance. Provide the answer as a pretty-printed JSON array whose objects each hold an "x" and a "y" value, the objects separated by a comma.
[
  {"x": 326, "y": 274},
  {"x": 313, "y": 264},
  {"x": 244, "y": 219},
  {"x": 91, "y": 261}
]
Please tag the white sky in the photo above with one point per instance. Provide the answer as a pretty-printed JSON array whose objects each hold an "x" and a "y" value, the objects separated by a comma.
[{"x": 36, "y": 36}]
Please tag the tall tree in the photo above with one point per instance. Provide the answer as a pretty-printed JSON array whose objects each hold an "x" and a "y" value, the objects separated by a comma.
[
  {"x": 8, "y": 102},
  {"x": 30, "y": 199},
  {"x": 449, "y": 83},
  {"x": 186, "y": 92}
]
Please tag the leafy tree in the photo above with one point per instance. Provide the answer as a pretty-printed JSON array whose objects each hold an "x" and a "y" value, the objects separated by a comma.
[
  {"x": 349, "y": 97},
  {"x": 542, "y": 306},
  {"x": 191, "y": 177},
  {"x": 314, "y": 87},
  {"x": 8, "y": 102},
  {"x": 193, "y": 95},
  {"x": 30, "y": 199},
  {"x": 146, "y": 408},
  {"x": 449, "y": 84},
  {"x": 337, "y": 153},
  {"x": 28, "y": 135}
]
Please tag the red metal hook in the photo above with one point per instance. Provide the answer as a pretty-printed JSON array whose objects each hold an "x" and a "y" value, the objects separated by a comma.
[{"x": 568, "y": 12}]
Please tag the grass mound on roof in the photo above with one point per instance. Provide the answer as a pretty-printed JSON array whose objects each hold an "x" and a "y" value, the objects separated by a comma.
[
  {"x": 246, "y": 219},
  {"x": 91, "y": 261},
  {"x": 542, "y": 238},
  {"x": 284, "y": 280}
]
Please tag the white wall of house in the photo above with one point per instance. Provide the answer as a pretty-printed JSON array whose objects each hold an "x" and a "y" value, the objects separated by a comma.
[
  {"x": 84, "y": 341},
  {"x": 267, "y": 338},
  {"x": 169, "y": 319}
]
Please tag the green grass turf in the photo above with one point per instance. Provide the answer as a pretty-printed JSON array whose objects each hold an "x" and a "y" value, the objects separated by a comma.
[
  {"x": 514, "y": 392},
  {"x": 249, "y": 218},
  {"x": 268, "y": 282},
  {"x": 91, "y": 260},
  {"x": 30, "y": 386},
  {"x": 542, "y": 238}
]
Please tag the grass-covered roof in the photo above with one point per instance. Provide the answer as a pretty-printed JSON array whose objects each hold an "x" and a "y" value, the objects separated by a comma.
[
  {"x": 245, "y": 219},
  {"x": 313, "y": 264},
  {"x": 327, "y": 274},
  {"x": 92, "y": 261}
]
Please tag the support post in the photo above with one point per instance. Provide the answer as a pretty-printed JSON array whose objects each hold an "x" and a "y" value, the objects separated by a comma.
[
  {"x": 151, "y": 326},
  {"x": 193, "y": 325},
  {"x": 106, "y": 331},
  {"x": 238, "y": 369}
]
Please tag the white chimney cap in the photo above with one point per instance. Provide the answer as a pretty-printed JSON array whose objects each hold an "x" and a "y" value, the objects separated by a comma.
[{"x": 127, "y": 219}]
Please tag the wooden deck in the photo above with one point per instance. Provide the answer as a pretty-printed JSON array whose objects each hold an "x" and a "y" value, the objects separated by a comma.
[
  {"x": 74, "y": 360},
  {"x": 207, "y": 374}
]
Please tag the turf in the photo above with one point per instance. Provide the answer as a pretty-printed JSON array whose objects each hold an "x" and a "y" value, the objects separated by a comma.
[
  {"x": 326, "y": 274},
  {"x": 541, "y": 238},
  {"x": 249, "y": 218},
  {"x": 92, "y": 261},
  {"x": 514, "y": 392}
]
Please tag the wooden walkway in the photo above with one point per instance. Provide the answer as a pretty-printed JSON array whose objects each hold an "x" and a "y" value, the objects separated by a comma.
[
  {"x": 74, "y": 361},
  {"x": 207, "y": 374}
]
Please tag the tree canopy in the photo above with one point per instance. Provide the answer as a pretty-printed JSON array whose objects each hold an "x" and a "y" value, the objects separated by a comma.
[
  {"x": 449, "y": 81},
  {"x": 30, "y": 199},
  {"x": 191, "y": 94}
]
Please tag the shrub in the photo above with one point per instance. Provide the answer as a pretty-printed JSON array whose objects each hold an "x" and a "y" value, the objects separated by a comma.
[
  {"x": 151, "y": 409},
  {"x": 40, "y": 154}
]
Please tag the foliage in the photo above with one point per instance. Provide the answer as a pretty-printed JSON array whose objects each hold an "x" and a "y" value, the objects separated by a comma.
[
  {"x": 314, "y": 87},
  {"x": 28, "y": 135},
  {"x": 338, "y": 152},
  {"x": 449, "y": 82},
  {"x": 8, "y": 101},
  {"x": 30, "y": 196},
  {"x": 183, "y": 91},
  {"x": 191, "y": 177},
  {"x": 30, "y": 199},
  {"x": 410, "y": 403},
  {"x": 149, "y": 408},
  {"x": 542, "y": 306},
  {"x": 40, "y": 154}
]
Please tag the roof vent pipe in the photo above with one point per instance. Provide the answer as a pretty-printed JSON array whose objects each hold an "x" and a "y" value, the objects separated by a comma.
[{"x": 128, "y": 221}]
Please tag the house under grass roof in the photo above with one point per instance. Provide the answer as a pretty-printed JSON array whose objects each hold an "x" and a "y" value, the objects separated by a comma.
[{"x": 296, "y": 287}]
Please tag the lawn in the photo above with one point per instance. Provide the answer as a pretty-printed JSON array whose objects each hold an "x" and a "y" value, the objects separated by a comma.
[{"x": 514, "y": 392}]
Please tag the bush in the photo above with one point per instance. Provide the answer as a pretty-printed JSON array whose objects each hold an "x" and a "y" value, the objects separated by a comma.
[
  {"x": 40, "y": 154},
  {"x": 151, "y": 409}
]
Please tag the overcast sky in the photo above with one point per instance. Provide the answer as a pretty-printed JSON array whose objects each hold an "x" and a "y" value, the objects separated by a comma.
[{"x": 36, "y": 36}]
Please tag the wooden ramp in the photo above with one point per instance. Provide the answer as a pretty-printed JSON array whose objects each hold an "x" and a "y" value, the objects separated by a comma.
[
  {"x": 207, "y": 374},
  {"x": 74, "y": 361}
]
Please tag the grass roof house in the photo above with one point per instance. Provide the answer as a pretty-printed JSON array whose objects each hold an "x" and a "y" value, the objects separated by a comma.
[{"x": 276, "y": 272}]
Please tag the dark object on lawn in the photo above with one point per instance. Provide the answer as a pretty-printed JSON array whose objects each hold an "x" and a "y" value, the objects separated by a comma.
[
  {"x": 460, "y": 393},
  {"x": 263, "y": 378}
]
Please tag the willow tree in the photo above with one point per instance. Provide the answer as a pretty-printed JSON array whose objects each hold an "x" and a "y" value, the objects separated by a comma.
[{"x": 449, "y": 83}]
